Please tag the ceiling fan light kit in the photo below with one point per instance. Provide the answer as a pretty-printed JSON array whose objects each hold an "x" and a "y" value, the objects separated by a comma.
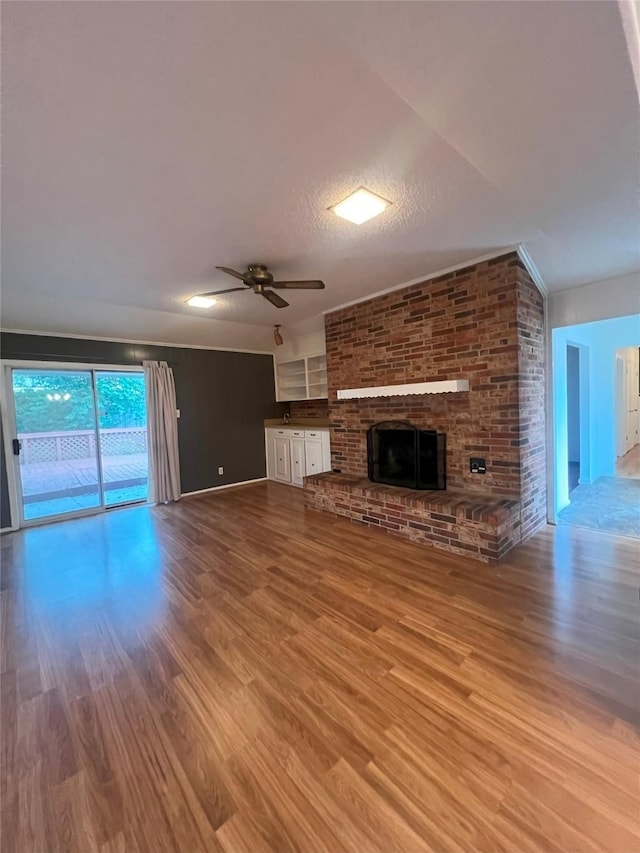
[
  {"x": 277, "y": 337},
  {"x": 258, "y": 279}
]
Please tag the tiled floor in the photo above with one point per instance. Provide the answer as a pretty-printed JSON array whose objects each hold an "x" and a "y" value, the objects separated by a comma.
[{"x": 611, "y": 504}]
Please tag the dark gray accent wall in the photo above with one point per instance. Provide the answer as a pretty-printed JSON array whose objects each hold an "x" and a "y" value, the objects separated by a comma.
[{"x": 223, "y": 398}]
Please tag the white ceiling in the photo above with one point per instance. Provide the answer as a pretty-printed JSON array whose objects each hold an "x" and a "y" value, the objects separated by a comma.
[{"x": 144, "y": 143}]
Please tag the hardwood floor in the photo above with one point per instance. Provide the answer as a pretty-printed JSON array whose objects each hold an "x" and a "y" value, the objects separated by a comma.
[
  {"x": 236, "y": 673},
  {"x": 629, "y": 464}
]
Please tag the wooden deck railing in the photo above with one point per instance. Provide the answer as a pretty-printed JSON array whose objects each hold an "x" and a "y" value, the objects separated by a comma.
[{"x": 80, "y": 444}]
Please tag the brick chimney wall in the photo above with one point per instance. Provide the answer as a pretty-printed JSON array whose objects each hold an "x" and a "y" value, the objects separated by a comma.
[{"x": 483, "y": 323}]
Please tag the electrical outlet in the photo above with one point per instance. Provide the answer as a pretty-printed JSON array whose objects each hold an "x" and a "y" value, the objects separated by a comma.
[
  {"x": 220, "y": 470},
  {"x": 477, "y": 465}
]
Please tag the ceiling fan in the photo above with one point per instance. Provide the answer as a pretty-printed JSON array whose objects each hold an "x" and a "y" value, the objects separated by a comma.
[{"x": 260, "y": 280}]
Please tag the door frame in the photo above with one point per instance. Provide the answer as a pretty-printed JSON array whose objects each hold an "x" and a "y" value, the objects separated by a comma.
[
  {"x": 622, "y": 406},
  {"x": 8, "y": 415}
]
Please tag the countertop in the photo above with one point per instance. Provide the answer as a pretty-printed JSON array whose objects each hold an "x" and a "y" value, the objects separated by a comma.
[{"x": 298, "y": 423}]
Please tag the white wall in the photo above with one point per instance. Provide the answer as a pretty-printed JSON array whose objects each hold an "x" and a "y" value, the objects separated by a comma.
[
  {"x": 598, "y": 343},
  {"x": 601, "y": 300},
  {"x": 302, "y": 339}
]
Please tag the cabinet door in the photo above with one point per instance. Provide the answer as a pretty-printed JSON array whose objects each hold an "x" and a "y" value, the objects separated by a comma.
[
  {"x": 326, "y": 450},
  {"x": 269, "y": 440},
  {"x": 282, "y": 469},
  {"x": 297, "y": 461},
  {"x": 313, "y": 453}
]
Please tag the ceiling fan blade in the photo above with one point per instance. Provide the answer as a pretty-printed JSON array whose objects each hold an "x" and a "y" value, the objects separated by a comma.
[
  {"x": 236, "y": 274},
  {"x": 218, "y": 292},
  {"x": 299, "y": 285},
  {"x": 274, "y": 298}
]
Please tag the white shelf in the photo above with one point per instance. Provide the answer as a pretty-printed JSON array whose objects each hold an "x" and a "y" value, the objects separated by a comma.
[
  {"x": 445, "y": 386},
  {"x": 302, "y": 378}
]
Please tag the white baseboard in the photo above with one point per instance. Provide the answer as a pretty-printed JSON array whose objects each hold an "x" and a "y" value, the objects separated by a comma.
[
  {"x": 227, "y": 486},
  {"x": 8, "y": 529}
]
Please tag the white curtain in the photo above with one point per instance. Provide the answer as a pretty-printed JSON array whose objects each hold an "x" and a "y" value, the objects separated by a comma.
[{"x": 162, "y": 433}]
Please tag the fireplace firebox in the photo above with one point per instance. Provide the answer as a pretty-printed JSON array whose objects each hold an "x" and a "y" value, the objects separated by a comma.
[{"x": 400, "y": 454}]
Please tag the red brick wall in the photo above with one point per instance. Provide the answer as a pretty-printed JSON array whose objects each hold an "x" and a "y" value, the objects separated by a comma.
[
  {"x": 483, "y": 323},
  {"x": 461, "y": 325},
  {"x": 531, "y": 402},
  {"x": 309, "y": 409}
]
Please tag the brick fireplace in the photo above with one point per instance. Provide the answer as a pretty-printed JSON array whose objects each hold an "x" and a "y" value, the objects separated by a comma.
[{"x": 484, "y": 323}]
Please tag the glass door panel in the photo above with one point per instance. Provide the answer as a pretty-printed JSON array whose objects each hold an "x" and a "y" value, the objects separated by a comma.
[
  {"x": 122, "y": 422},
  {"x": 56, "y": 427}
]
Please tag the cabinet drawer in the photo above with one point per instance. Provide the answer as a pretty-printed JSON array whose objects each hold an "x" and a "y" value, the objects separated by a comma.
[{"x": 318, "y": 434}]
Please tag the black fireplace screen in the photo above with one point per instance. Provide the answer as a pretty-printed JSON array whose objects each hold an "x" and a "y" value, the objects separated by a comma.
[{"x": 400, "y": 454}]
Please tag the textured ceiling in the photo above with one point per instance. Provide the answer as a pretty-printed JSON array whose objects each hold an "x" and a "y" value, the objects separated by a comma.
[{"x": 144, "y": 143}]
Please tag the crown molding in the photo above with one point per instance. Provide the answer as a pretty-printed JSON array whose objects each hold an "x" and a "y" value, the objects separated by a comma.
[{"x": 533, "y": 270}]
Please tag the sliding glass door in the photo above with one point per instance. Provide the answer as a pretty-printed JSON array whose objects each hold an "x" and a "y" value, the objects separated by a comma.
[
  {"x": 80, "y": 440},
  {"x": 122, "y": 425},
  {"x": 56, "y": 430}
]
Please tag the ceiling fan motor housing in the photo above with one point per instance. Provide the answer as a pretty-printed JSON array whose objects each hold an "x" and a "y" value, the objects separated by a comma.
[{"x": 259, "y": 273}]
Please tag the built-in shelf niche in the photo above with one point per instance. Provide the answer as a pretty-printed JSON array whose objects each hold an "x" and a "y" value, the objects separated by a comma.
[{"x": 302, "y": 378}]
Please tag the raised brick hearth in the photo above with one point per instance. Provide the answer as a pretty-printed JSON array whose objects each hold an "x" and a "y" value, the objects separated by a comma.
[
  {"x": 462, "y": 522},
  {"x": 484, "y": 323}
]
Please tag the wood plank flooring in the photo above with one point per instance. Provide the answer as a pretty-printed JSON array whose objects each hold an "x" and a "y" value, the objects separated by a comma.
[{"x": 236, "y": 673}]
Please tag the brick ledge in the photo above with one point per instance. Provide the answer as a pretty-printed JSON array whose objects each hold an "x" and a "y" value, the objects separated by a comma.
[{"x": 486, "y": 527}]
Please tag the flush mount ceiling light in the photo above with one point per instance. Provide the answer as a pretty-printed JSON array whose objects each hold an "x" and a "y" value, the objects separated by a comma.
[
  {"x": 201, "y": 301},
  {"x": 360, "y": 206}
]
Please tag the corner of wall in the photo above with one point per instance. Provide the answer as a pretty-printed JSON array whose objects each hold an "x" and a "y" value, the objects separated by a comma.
[{"x": 532, "y": 394}]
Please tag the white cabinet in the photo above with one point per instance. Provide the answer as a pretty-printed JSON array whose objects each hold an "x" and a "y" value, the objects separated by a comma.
[
  {"x": 282, "y": 457},
  {"x": 302, "y": 378},
  {"x": 297, "y": 460},
  {"x": 313, "y": 456},
  {"x": 293, "y": 454}
]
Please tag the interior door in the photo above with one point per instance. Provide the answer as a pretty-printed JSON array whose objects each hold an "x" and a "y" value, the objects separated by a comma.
[{"x": 55, "y": 449}]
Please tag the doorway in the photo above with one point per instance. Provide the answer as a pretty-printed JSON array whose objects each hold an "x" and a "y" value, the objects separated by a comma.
[
  {"x": 78, "y": 440},
  {"x": 596, "y": 410},
  {"x": 628, "y": 412}
]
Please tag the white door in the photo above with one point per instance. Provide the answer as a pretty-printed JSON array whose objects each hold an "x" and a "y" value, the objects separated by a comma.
[
  {"x": 282, "y": 461},
  {"x": 313, "y": 454},
  {"x": 297, "y": 461},
  {"x": 621, "y": 407}
]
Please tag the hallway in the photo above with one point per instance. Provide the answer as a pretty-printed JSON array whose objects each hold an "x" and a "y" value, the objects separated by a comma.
[{"x": 610, "y": 504}]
